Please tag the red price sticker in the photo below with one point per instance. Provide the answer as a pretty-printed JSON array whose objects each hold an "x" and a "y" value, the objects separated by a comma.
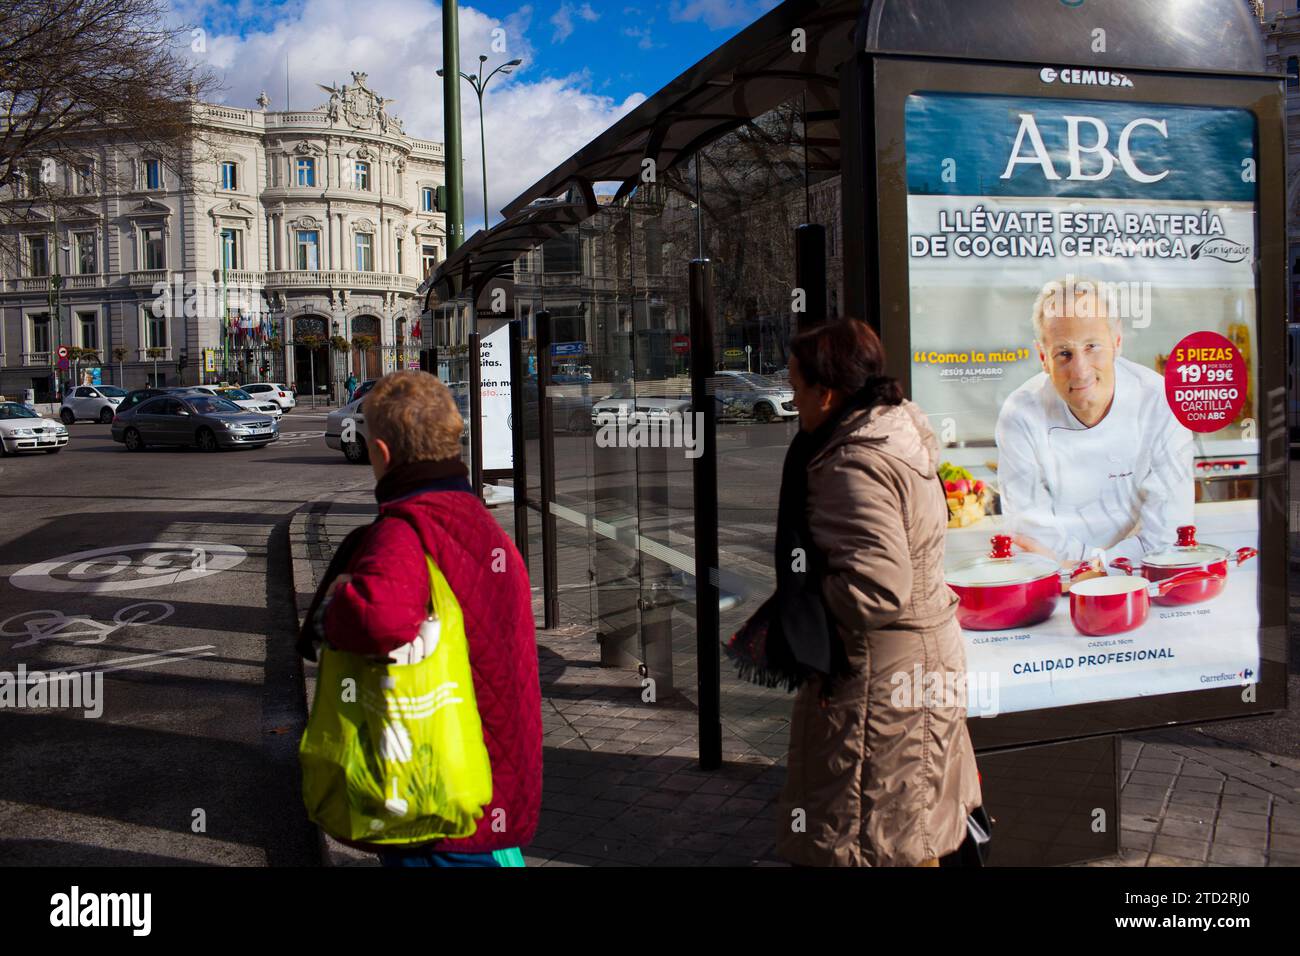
[{"x": 1205, "y": 381}]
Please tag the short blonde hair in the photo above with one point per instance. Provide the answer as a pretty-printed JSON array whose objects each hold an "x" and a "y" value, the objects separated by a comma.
[
  {"x": 415, "y": 415},
  {"x": 1060, "y": 296}
]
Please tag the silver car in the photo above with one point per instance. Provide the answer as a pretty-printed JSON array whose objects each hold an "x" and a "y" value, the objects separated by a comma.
[
  {"x": 94, "y": 402},
  {"x": 193, "y": 419}
]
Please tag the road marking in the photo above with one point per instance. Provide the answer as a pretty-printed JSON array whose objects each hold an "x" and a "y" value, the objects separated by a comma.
[
  {"x": 46, "y": 625},
  {"x": 170, "y": 563},
  {"x": 130, "y": 663}
]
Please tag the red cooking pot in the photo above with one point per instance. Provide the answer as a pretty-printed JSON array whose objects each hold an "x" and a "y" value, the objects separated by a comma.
[
  {"x": 1001, "y": 590},
  {"x": 1184, "y": 556},
  {"x": 1119, "y": 603}
]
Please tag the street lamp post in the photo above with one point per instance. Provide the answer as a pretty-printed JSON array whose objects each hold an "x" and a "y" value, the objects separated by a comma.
[{"x": 480, "y": 84}]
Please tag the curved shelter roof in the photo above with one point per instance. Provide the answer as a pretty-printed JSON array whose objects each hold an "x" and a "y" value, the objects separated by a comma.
[{"x": 769, "y": 63}]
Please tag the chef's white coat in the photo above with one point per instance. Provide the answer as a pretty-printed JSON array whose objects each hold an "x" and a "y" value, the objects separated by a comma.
[{"x": 1124, "y": 485}]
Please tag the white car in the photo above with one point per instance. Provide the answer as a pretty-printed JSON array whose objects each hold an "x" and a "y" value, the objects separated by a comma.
[
  {"x": 345, "y": 429},
  {"x": 748, "y": 395},
  {"x": 94, "y": 402},
  {"x": 274, "y": 391},
  {"x": 254, "y": 403},
  {"x": 22, "y": 429}
]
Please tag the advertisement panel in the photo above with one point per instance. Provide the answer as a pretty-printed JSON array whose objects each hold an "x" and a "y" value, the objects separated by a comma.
[
  {"x": 1083, "y": 334},
  {"x": 494, "y": 372}
]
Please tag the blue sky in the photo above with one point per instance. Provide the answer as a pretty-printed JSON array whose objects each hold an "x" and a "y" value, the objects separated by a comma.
[{"x": 586, "y": 64}]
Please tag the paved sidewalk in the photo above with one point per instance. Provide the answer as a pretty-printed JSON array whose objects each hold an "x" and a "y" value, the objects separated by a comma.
[{"x": 622, "y": 787}]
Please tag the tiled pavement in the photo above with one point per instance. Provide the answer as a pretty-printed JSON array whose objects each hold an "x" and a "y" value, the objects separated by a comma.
[{"x": 622, "y": 786}]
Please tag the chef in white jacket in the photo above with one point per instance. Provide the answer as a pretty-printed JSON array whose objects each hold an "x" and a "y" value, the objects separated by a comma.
[{"x": 1089, "y": 454}]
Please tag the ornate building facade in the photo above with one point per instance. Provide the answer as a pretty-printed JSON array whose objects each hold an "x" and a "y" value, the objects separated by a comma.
[{"x": 290, "y": 251}]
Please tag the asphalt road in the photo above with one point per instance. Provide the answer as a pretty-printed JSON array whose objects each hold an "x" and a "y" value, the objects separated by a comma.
[{"x": 187, "y": 613}]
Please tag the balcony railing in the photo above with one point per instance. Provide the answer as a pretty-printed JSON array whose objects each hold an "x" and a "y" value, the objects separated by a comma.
[
  {"x": 164, "y": 353},
  {"x": 88, "y": 281},
  {"x": 148, "y": 278},
  {"x": 32, "y": 284},
  {"x": 380, "y": 281},
  {"x": 36, "y": 358},
  {"x": 239, "y": 277}
]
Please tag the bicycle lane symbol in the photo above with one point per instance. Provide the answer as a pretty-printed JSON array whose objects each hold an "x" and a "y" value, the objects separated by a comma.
[{"x": 49, "y": 625}]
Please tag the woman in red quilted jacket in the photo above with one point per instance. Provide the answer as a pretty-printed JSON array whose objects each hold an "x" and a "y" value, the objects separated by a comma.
[{"x": 375, "y": 593}]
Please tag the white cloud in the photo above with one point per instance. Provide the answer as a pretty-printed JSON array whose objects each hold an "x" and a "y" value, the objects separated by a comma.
[
  {"x": 532, "y": 124},
  {"x": 562, "y": 19},
  {"x": 720, "y": 14}
]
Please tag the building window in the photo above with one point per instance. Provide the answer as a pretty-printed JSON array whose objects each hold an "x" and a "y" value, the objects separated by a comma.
[
  {"x": 308, "y": 251},
  {"x": 560, "y": 255},
  {"x": 229, "y": 175},
  {"x": 306, "y": 171},
  {"x": 41, "y": 332},
  {"x": 399, "y": 255},
  {"x": 84, "y": 178},
  {"x": 38, "y": 255},
  {"x": 426, "y": 199},
  {"x": 230, "y": 249},
  {"x": 155, "y": 330},
  {"x": 428, "y": 260},
  {"x": 88, "y": 325},
  {"x": 1293, "y": 72},
  {"x": 151, "y": 242},
  {"x": 152, "y": 174},
  {"x": 361, "y": 176},
  {"x": 365, "y": 262},
  {"x": 84, "y": 247}
]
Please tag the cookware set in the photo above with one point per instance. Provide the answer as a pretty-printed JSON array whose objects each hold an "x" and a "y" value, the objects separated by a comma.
[{"x": 1005, "y": 590}]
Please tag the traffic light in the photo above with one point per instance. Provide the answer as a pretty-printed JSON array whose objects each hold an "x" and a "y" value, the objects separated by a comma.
[
  {"x": 266, "y": 369},
  {"x": 440, "y": 199},
  {"x": 183, "y": 361}
]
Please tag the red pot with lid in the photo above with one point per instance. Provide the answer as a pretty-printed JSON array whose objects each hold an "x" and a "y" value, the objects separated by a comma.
[
  {"x": 1002, "y": 590},
  {"x": 1187, "y": 555}
]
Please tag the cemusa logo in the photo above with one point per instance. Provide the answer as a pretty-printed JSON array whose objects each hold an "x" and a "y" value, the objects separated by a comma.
[{"x": 1074, "y": 76}]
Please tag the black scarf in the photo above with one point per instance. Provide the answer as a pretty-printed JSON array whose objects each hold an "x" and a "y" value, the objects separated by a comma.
[{"x": 791, "y": 637}]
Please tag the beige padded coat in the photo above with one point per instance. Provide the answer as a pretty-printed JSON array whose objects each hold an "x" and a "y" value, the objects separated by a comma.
[{"x": 882, "y": 770}]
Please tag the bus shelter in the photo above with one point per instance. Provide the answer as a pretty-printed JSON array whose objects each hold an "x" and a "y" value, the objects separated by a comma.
[{"x": 970, "y": 179}]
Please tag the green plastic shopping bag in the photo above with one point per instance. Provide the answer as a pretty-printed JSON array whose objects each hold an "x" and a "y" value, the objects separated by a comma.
[{"x": 393, "y": 754}]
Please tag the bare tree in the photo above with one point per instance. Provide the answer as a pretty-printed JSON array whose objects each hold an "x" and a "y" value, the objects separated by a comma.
[
  {"x": 78, "y": 78},
  {"x": 74, "y": 68}
]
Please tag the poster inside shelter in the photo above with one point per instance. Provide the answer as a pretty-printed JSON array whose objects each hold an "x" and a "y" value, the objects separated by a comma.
[{"x": 1082, "y": 279}]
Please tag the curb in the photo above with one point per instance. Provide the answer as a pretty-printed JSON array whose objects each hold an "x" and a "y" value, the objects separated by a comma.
[{"x": 302, "y": 577}]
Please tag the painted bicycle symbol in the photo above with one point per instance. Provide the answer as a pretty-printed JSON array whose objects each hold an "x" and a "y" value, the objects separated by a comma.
[{"x": 48, "y": 625}]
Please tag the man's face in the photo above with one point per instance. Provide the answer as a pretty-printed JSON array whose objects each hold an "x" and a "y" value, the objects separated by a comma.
[{"x": 1079, "y": 355}]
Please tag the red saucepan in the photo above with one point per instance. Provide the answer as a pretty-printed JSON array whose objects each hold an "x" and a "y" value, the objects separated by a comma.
[
  {"x": 1001, "y": 590},
  {"x": 1184, "y": 556},
  {"x": 1119, "y": 603}
]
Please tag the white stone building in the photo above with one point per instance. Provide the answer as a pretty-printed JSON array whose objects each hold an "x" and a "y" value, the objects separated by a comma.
[{"x": 310, "y": 224}]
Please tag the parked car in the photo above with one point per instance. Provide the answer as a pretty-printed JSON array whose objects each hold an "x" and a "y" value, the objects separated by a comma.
[
  {"x": 624, "y": 402},
  {"x": 206, "y": 421},
  {"x": 136, "y": 396},
  {"x": 23, "y": 429},
  {"x": 251, "y": 403},
  {"x": 93, "y": 402},
  {"x": 352, "y": 444},
  {"x": 748, "y": 395},
  {"x": 280, "y": 394}
]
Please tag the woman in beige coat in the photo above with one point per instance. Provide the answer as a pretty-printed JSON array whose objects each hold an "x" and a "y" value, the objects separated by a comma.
[{"x": 881, "y": 770}]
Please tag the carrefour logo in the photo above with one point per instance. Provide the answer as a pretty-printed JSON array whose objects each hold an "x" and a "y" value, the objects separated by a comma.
[{"x": 1073, "y": 76}]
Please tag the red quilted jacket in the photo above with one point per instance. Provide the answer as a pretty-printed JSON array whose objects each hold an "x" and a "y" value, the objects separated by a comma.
[{"x": 385, "y": 601}]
